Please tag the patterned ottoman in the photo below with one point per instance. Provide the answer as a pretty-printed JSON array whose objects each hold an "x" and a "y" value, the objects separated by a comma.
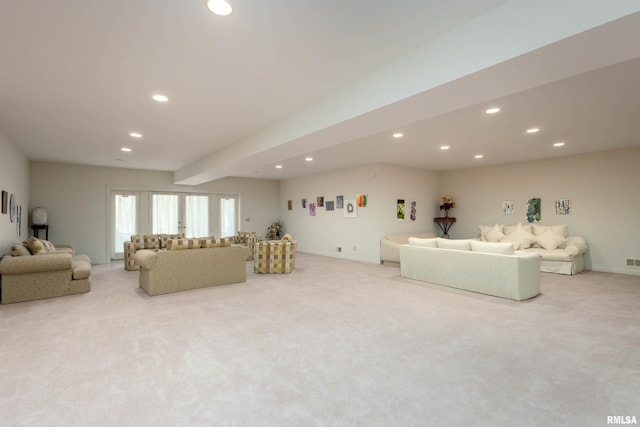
[{"x": 274, "y": 256}]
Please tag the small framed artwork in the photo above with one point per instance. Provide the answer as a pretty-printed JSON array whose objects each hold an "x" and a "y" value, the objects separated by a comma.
[
  {"x": 304, "y": 203},
  {"x": 361, "y": 200},
  {"x": 412, "y": 210},
  {"x": 4, "y": 201},
  {"x": 534, "y": 213},
  {"x": 312, "y": 209},
  {"x": 400, "y": 209},
  {"x": 289, "y": 205},
  {"x": 350, "y": 209},
  {"x": 320, "y": 202},
  {"x": 563, "y": 206},
  {"x": 508, "y": 207},
  {"x": 339, "y": 202},
  {"x": 329, "y": 205},
  {"x": 12, "y": 208}
]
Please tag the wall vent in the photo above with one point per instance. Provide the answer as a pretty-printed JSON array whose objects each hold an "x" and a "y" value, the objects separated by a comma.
[
  {"x": 633, "y": 262},
  {"x": 630, "y": 261}
]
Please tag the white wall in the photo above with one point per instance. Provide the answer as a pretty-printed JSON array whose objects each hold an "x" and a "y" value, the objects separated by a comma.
[
  {"x": 14, "y": 179},
  {"x": 76, "y": 199},
  {"x": 383, "y": 184},
  {"x": 602, "y": 187}
]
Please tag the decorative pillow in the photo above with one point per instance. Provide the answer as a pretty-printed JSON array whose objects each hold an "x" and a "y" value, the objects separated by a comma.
[
  {"x": 48, "y": 246},
  {"x": 492, "y": 247},
  {"x": 214, "y": 243},
  {"x": 425, "y": 243},
  {"x": 458, "y": 244},
  {"x": 484, "y": 229},
  {"x": 495, "y": 234},
  {"x": 520, "y": 238},
  {"x": 20, "y": 250},
  {"x": 509, "y": 229},
  {"x": 36, "y": 246},
  {"x": 551, "y": 240},
  {"x": 179, "y": 244},
  {"x": 560, "y": 230}
]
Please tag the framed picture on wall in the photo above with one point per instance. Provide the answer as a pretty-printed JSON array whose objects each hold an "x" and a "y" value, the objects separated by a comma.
[
  {"x": 4, "y": 202},
  {"x": 339, "y": 202}
]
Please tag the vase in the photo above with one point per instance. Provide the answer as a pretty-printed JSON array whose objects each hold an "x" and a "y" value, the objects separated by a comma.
[
  {"x": 446, "y": 213},
  {"x": 39, "y": 216}
]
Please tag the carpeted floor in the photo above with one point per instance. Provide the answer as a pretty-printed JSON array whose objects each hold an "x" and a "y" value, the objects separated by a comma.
[{"x": 335, "y": 343}]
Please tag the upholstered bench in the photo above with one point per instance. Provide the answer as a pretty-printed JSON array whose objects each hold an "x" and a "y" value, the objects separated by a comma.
[{"x": 274, "y": 256}]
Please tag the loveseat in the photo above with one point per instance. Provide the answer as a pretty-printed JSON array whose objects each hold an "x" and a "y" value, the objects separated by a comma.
[
  {"x": 390, "y": 245},
  {"x": 485, "y": 267},
  {"x": 560, "y": 252},
  {"x": 145, "y": 241},
  {"x": 186, "y": 264},
  {"x": 36, "y": 270},
  {"x": 247, "y": 239}
]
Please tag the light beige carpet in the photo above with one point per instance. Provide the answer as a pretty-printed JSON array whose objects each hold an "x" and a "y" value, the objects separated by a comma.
[{"x": 335, "y": 343}]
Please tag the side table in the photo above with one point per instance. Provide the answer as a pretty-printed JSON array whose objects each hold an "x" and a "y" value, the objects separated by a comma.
[
  {"x": 445, "y": 223},
  {"x": 36, "y": 230}
]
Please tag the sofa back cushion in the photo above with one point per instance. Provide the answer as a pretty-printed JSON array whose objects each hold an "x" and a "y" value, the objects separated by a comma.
[
  {"x": 492, "y": 247},
  {"x": 457, "y": 244},
  {"x": 520, "y": 238},
  {"x": 20, "y": 250},
  {"x": 491, "y": 233},
  {"x": 180, "y": 244},
  {"x": 426, "y": 243},
  {"x": 551, "y": 240},
  {"x": 37, "y": 246},
  {"x": 163, "y": 238},
  {"x": 210, "y": 242}
]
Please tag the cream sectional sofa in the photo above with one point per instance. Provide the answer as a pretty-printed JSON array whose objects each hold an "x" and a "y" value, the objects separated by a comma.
[
  {"x": 390, "y": 245},
  {"x": 38, "y": 270},
  {"x": 484, "y": 267},
  {"x": 191, "y": 264},
  {"x": 559, "y": 252}
]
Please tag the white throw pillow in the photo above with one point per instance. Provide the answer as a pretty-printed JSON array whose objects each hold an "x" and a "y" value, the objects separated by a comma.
[
  {"x": 492, "y": 247},
  {"x": 551, "y": 240},
  {"x": 560, "y": 230},
  {"x": 495, "y": 234},
  {"x": 509, "y": 229},
  {"x": 484, "y": 229},
  {"x": 425, "y": 243},
  {"x": 458, "y": 244},
  {"x": 520, "y": 238}
]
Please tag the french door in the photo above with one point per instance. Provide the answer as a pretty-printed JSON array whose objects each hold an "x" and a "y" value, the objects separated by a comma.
[
  {"x": 125, "y": 220},
  {"x": 174, "y": 213}
]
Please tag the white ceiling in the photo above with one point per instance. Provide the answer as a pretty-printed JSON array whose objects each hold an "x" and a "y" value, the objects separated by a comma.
[{"x": 76, "y": 77}]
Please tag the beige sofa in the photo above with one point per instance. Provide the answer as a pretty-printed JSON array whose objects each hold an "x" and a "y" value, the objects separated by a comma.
[
  {"x": 47, "y": 273},
  {"x": 390, "y": 245},
  {"x": 191, "y": 264},
  {"x": 484, "y": 267},
  {"x": 559, "y": 252}
]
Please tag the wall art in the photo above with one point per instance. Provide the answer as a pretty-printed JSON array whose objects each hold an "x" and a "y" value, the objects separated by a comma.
[
  {"x": 563, "y": 207},
  {"x": 350, "y": 209},
  {"x": 412, "y": 210},
  {"x": 534, "y": 210},
  {"x": 339, "y": 202},
  {"x": 508, "y": 207},
  {"x": 320, "y": 202},
  {"x": 289, "y": 205},
  {"x": 312, "y": 209},
  {"x": 304, "y": 203},
  {"x": 4, "y": 201},
  {"x": 329, "y": 205},
  {"x": 12, "y": 208},
  {"x": 400, "y": 209},
  {"x": 361, "y": 200}
]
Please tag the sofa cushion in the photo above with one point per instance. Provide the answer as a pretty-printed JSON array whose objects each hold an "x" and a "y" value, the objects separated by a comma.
[
  {"x": 426, "y": 243},
  {"x": 484, "y": 229},
  {"x": 20, "y": 250},
  {"x": 179, "y": 244},
  {"x": 457, "y": 244},
  {"x": 551, "y": 240},
  {"x": 215, "y": 243},
  {"x": 509, "y": 229},
  {"x": 520, "y": 238},
  {"x": 163, "y": 238},
  {"x": 495, "y": 234},
  {"x": 492, "y": 247},
  {"x": 561, "y": 230},
  {"x": 81, "y": 267},
  {"x": 145, "y": 241},
  {"x": 37, "y": 246}
]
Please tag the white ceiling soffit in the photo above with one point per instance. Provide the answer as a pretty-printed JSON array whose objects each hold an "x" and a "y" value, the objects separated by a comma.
[{"x": 453, "y": 72}]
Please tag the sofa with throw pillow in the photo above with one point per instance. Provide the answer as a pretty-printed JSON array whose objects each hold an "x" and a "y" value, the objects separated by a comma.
[
  {"x": 560, "y": 252},
  {"x": 36, "y": 269},
  {"x": 145, "y": 241}
]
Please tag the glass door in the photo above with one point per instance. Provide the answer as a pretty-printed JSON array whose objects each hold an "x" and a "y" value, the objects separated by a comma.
[{"x": 125, "y": 207}]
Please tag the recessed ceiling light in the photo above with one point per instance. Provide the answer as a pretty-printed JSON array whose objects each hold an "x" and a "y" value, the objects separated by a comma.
[
  {"x": 220, "y": 7},
  {"x": 160, "y": 98},
  {"x": 444, "y": 147},
  {"x": 558, "y": 144},
  {"x": 135, "y": 135},
  {"x": 125, "y": 149},
  {"x": 308, "y": 159},
  {"x": 533, "y": 130},
  {"x": 492, "y": 110},
  {"x": 278, "y": 166},
  {"x": 478, "y": 156},
  {"x": 398, "y": 135}
]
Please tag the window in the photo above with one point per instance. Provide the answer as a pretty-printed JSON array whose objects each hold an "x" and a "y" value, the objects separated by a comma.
[
  {"x": 228, "y": 216},
  {"x": 124, "y": 221}
]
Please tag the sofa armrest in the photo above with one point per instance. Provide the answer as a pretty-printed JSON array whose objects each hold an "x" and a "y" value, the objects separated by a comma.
[
  {"x": 35, "y": 263},
  {"x": 146, "y": 258},
  {"x": 579, "y": 243},
  {"x": 389, "y": 250}
]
